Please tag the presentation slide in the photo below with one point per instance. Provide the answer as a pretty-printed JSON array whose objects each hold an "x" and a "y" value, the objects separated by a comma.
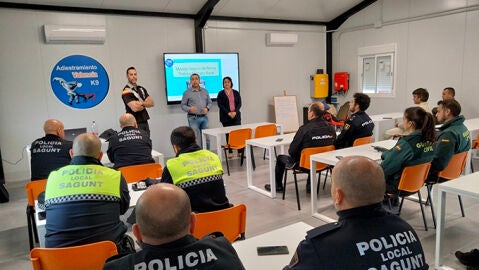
[{"x": 211, "y": 67}]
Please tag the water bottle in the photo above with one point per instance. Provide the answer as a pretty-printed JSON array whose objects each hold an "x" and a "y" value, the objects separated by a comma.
[{"x": 94, "y": 129}]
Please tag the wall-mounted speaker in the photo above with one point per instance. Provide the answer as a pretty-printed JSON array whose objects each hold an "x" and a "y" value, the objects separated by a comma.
[{"x": 281, "y": 39}]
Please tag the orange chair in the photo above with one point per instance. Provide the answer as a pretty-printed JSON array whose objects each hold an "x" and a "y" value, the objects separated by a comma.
[
  {"x": 135, "y": 173},
  {"x": 411, "y": 182},
  {"x": 237, "y": 140},
  {"x": 474, "y": 145},
  {"x": 32, "y": 190},
  {"x": 89, "y": 256},
  {"x": 230, "y": 221},
  {"x": 305, "y": 167},
  {"x": 261, "y": 132},
  {"x": 452, "y": 171},
  {"x": 363, "y": 140}
]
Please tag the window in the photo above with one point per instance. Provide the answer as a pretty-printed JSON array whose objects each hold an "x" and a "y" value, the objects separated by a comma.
[{"x": 376, "y": 66}]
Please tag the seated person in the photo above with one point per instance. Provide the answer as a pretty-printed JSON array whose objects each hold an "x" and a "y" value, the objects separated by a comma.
[
  {"x": 316, "y": 132},
  {"x": 163, "y": 228},
  {"x": 454, "y": 137},
  {"x": 197, "y": 171},
  {"x": 412, "y": 149},
  {"x": 419, "y": 97},
  {"x": 356, "y": 241},
  {"x": 447, "y": 93},
  {"x": 50, "y": 152},
  {"x": 84, "y": 200},
  {"x": 358, "y": 125},
  {"x": 131, "y": 145}
]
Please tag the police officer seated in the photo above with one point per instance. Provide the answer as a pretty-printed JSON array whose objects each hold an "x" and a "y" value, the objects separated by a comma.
[
  {"x": 358, "y": 125},
  {"x": 84, "y": 200},
  {"x": 51, "y": 151},
  {"x": 163, "y": 228},
  {"x": 131, "y": 146},
  {"x": 365, "y": 236}
]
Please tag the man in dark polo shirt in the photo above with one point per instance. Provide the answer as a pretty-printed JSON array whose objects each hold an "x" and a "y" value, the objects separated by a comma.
[
  {"x": 136, "y": 100},
  {"x": 50, "y": 152},
  {"x": 131, "y": 145}
]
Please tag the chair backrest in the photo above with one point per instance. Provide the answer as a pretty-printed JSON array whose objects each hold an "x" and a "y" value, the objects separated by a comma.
[
  {"x": 304, "y": 161},
  {"x": 135, "y": 173},
  {"x": 454, "y": 167},
  {"x": 230, "y": 221},
  {"x": 237, "y": 138},
  {"x": 33, "y": 188},
  {"x": 343, "y": 112},
  {"x": 475, "y": 143},
  {"x": 265, "y": 131},
  {"x": 413, "y": 177},
  {"x": 363, "y": 140},
  {"x": 90, "y": 256}
]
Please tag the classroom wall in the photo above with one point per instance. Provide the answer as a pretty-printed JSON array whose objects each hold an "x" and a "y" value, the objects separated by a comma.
[
  {"x": 26, "y": 98},
  {"x": 437, "y": 45}
]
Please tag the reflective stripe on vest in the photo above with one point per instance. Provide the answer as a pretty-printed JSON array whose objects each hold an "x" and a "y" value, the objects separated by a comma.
[
  {"x": 194, "y": 165},
  {"x": 82, "y": 182}
]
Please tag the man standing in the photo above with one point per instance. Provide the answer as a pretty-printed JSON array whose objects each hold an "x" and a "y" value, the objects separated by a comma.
[
  {"x": 163, "y": 228},
  {"x": 131, "y": 145},
  {"x": 136, "y": 100},
  {"x": 84, "y": 200},
  {"x": 50, "y": 152},
  {"x": 197, "y": 103},
  {"x": 454, "y": 137},
  {"x": 359, "y": 125},
  {"x": 197, "y": 171},
  {"x": 365, "y": 236},
  {"x": 317, "y": 132}
]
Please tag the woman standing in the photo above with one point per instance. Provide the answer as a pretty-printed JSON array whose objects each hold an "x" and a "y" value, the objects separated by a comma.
[
  {"x": 412, "y": 149},
  {"x": 229, "y": 102}
]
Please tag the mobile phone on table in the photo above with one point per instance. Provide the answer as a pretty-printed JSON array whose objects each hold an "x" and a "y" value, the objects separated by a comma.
[{"x": 272, "y": 250}]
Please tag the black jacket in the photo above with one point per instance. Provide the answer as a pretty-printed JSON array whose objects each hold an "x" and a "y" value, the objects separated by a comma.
[
  {"x": 224, "y": 105},
  {"x": 47, "y": 154},
  {"x": 130, "y": 146},
  {"x": 359, "y": 125}
]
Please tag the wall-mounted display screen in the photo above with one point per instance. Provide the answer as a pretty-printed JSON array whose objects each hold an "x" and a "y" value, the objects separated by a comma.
[{"x": 211, "y": 67}]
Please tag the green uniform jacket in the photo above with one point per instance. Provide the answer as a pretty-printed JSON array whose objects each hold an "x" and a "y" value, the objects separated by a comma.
[
  {"x": 409, "y": 150},
  {"x": 454, "y": 138}
]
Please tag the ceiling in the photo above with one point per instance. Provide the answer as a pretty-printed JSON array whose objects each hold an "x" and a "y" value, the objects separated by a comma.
[{"x": 291, "y": 10}]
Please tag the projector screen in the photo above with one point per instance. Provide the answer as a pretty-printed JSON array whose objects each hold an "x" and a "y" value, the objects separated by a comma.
[{"x": 211, "y": 67}]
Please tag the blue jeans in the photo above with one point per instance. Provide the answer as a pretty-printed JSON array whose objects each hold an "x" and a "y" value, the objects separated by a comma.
[{"x": 198, "y": 124}]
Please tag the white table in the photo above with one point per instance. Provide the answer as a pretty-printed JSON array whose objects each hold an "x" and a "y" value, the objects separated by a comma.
[
  {"x": 219, "y": 134},
  {"x": 134, "y": 196},
  {"x": 289, "y": 236},
  {"x": 331, "y": 158},
  {"x": 383, "y": 122},
  {"x": 467, "y": 185},
  {"x": 267, "y": 143}
]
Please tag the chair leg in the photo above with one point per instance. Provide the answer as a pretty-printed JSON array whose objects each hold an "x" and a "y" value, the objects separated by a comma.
[
  {"x": 30, "y": 227},
  {"x": 460, "y": 204},
  {"x": 242, "y": 156},
  {"x": 264, "y": 154},
  {"x": 422, "y": 210},
  {"x": 297, "y": 193},
  {"x": 227, "y": 165},
  {"x": 284, "y": 182},
  {"x": 429, "y": 198},
  {"x": 326, "y": 178},
  {"x": 252, "y": 158},
  {"x": 319, "y": 181}
]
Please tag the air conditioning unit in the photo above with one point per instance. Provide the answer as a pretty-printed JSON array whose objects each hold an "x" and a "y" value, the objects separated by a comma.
[
  {"x": 74, "y": 34},
  {"x": 281, "y": 39}
]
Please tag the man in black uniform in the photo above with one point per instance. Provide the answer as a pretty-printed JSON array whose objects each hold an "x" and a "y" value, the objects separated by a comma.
[
  {"x": 164, "y": 222},
  {"x": 365, "y": 236},
  {"x": 131, "y": 145},
  {"x": 317, "y": 132},
  {"x": 50, "y": 152},
  {"x": 358, "y": 125},
  {"x": 136, "y": 100}
]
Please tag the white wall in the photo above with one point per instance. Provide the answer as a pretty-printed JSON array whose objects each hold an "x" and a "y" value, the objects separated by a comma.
[
  {"x": 437, "y": 47},
  {"x": 26, "y": 98}
]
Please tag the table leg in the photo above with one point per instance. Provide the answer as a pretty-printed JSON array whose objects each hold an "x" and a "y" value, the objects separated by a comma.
[
  {"x": 314, "y": 199},
  {"x": 272, "y": 171},
  {"x": 249, "y": 175},
  {"x": 441, "y": 211}
]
